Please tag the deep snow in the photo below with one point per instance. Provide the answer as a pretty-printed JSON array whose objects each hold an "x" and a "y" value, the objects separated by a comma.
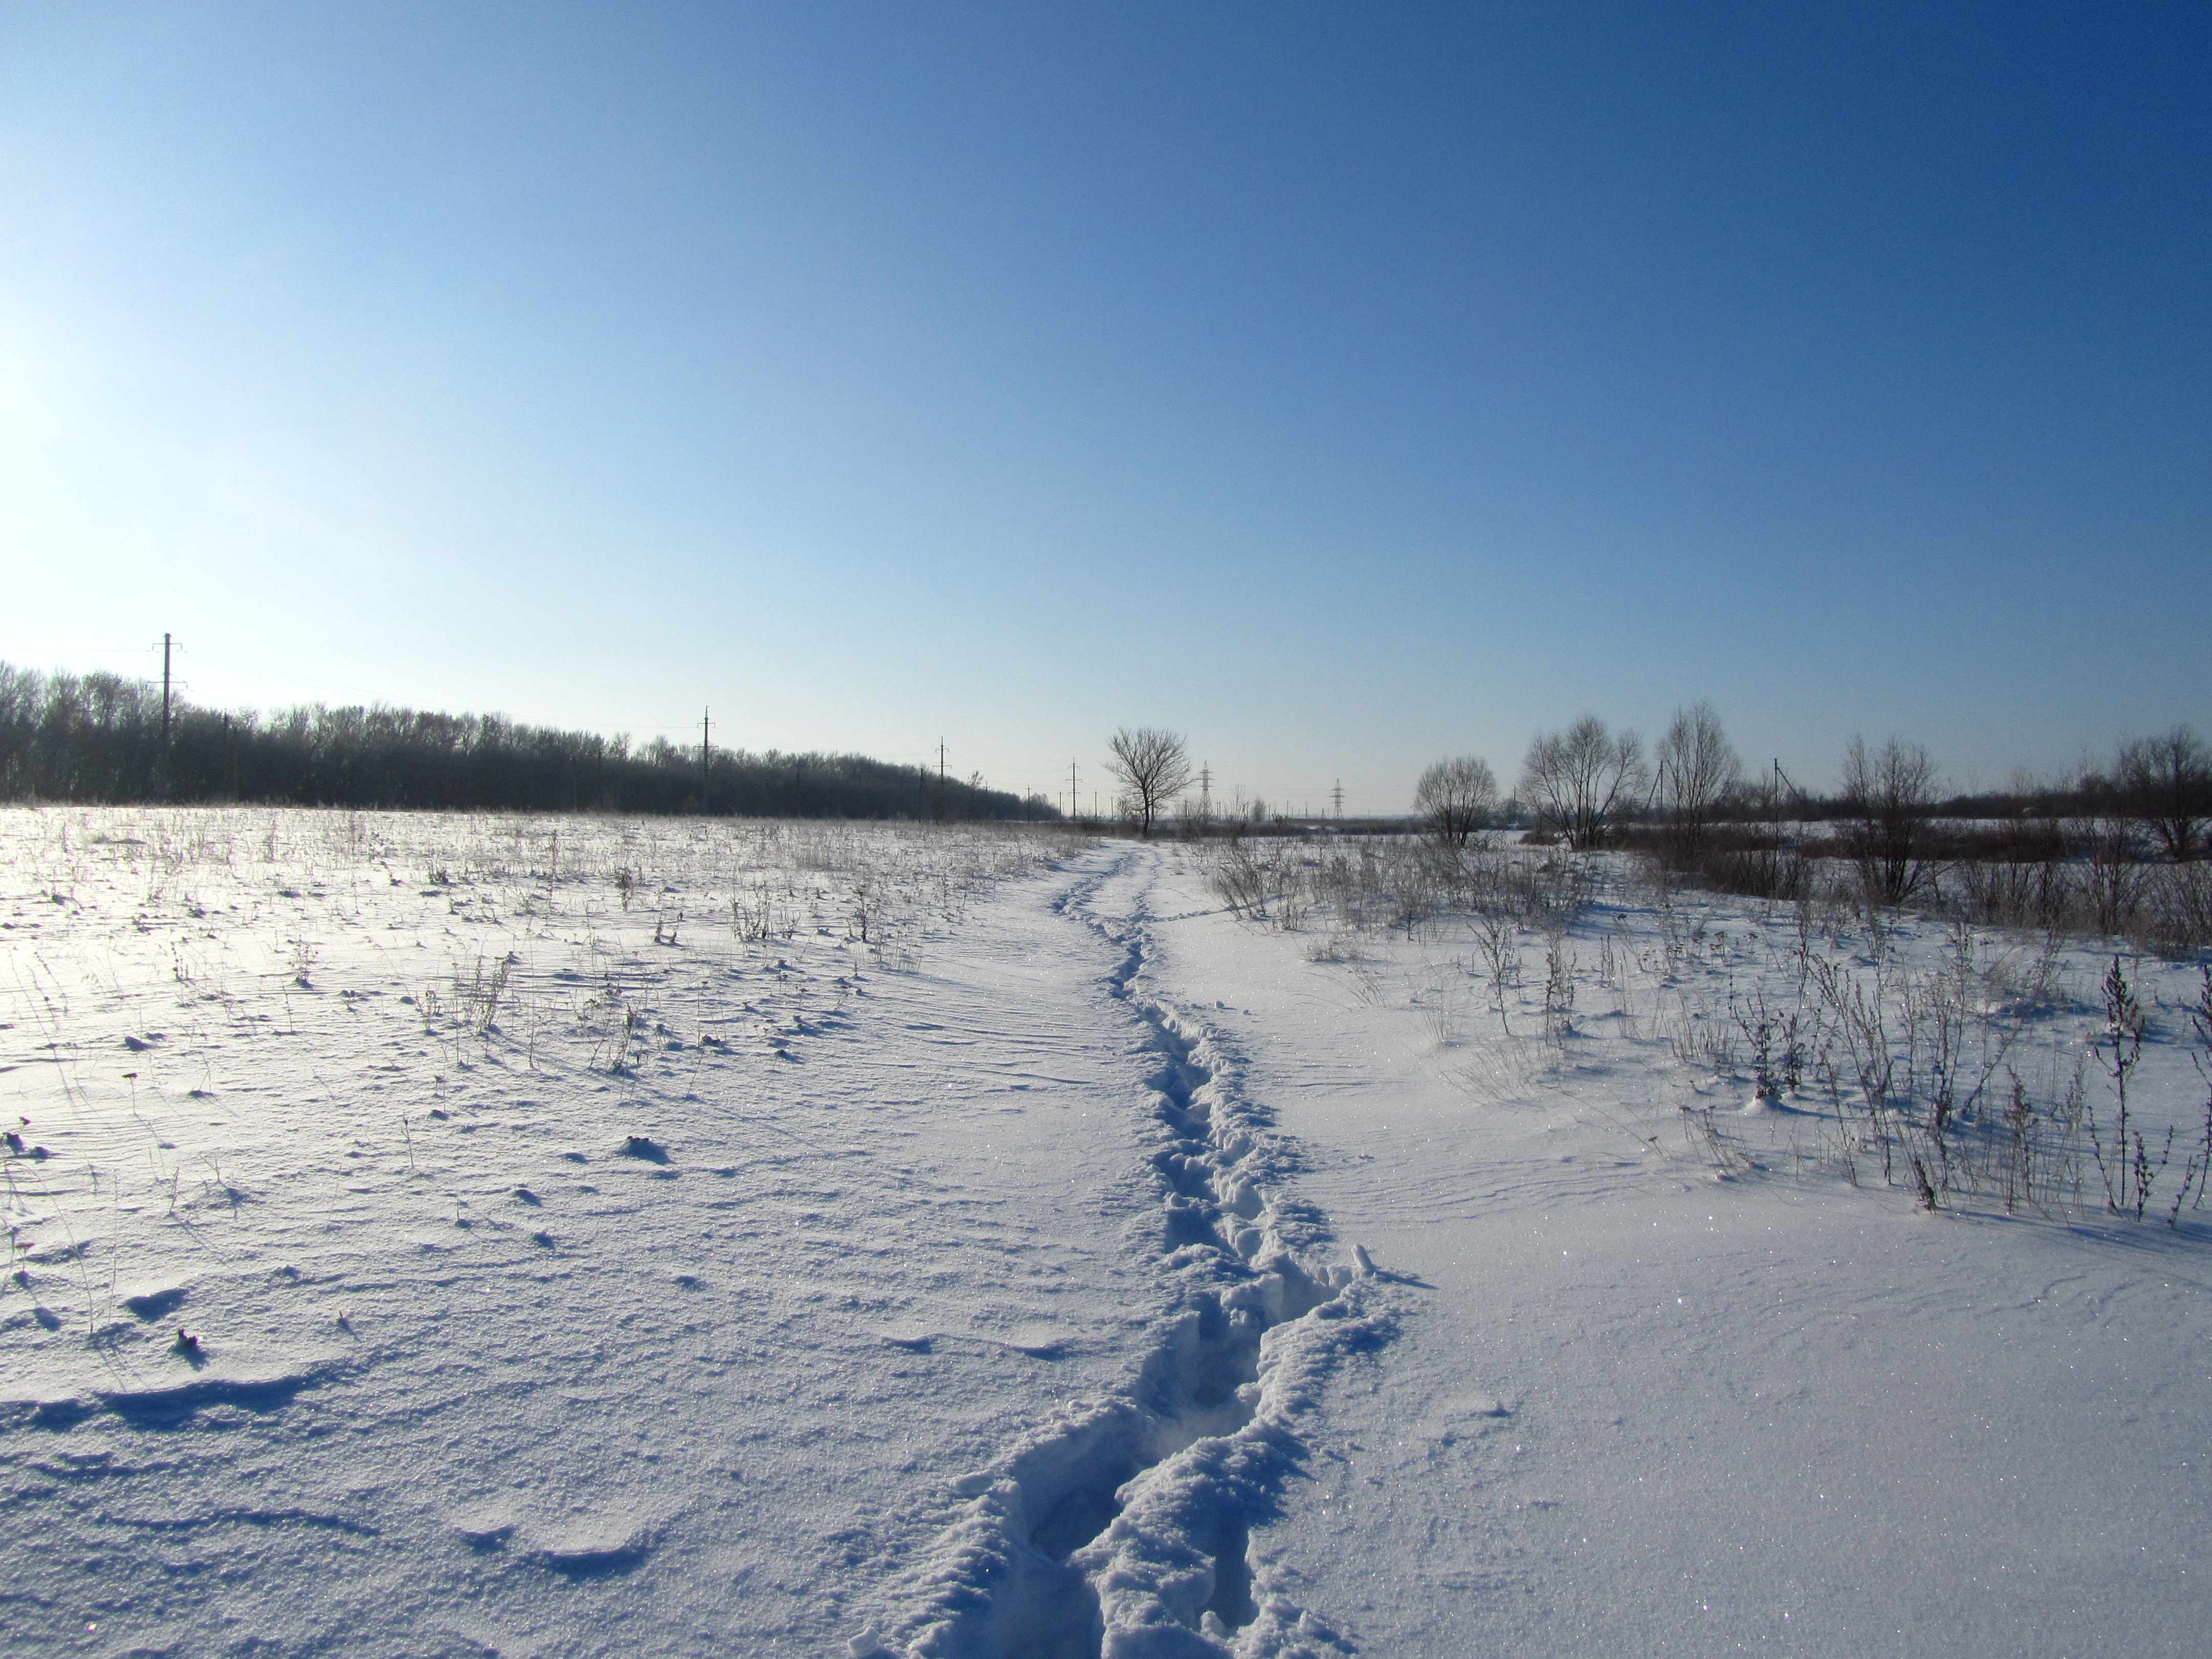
[{"x": 606, "y": 1236}]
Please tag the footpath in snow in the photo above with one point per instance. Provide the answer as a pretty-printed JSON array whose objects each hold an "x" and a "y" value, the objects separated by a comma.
[
  {"x": 450, "y": 1236},
  {"x": 1125, "y": 1526}
]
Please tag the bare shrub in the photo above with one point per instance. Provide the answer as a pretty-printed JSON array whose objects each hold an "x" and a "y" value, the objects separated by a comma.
[
  {"x": 1579, "y": 781},
  {"x": 1497, "y": 938},
  {"x": 2178, "y": 921},
  {"x": 2128, "y": 1171},
  {"x": 1456, "y": 798},
  {"x": 1754, "y": 859},
  {"x": 1558, "y": 988},
  {"x": 1758, "y": 862},
  {"x": 1698, "y": 769},
  {"x": 1890, "y": 793},
  {"x": 2165, "y": 785},
  {"x": 1239, "y": 878}
]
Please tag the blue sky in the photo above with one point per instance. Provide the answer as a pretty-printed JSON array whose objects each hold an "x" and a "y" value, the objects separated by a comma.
[{"x": 1343, "y": 386}]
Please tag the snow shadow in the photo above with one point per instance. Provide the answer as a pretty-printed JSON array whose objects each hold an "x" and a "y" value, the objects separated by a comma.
[{"x": 174, "y": 1407}]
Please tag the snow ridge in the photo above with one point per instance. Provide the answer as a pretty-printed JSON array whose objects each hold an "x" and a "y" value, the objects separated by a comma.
[{"x": 1121, "y": 1530}]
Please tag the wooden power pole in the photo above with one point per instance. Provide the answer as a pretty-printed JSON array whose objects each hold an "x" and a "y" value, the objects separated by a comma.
[{"x": 165, "y": 717}]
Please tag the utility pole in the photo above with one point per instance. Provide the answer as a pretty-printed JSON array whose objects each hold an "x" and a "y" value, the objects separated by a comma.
[
  {"x": 1204, "y": 793},
  {"x": 165, "y": 717},
  {"x": 1074, "y": 801},
  {"x": 704, "y": 752},
  {"x": 940, "y": 763},
  {"x": 1781, "y": 784}
]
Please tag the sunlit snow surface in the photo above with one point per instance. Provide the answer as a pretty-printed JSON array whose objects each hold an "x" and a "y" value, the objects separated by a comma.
[
  {"x": 475, "y": 1372},
  {"x": 615, "y": 1236}
]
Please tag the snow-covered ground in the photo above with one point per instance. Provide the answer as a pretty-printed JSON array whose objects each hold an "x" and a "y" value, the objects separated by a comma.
[
  {"x": 1653, "y": 1394},
  {"x": 451, "y": 1235}
]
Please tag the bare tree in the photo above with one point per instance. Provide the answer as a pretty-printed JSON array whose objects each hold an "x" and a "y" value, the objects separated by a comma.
[
  {"x": 1698, "y": 770},
  {"x": 1580, "y": 781},
  {"x": 1889, "y": 793},
  {"x": 1152, "y": 765},
  {"x": 1456, "y": 798},
  {"x": 2166, "y": 784}
]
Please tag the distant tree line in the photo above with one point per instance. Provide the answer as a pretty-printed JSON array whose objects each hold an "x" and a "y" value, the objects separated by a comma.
[
  {"x": 97, "y": 737},
  {"x": 1591, "y": 787},
  {"x": 2117, "y": 848}
]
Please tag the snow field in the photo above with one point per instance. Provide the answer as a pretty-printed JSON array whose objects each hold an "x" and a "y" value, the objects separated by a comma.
[
  {"x": 1652, "y": 1394},
  {"x": 558, "y": 1266},
  {"x": 681, "y": 1238}
]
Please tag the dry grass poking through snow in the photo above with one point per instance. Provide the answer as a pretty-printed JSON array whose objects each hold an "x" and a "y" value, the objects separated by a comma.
[
  {"x": 1964, "y": 1064},
  {"x": 154, "y": 956}
]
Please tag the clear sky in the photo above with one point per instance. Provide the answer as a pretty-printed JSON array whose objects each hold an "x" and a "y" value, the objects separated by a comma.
[{"x": 1344, "y": 385}]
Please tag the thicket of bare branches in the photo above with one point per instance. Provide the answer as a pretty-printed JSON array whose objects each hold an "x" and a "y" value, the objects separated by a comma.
[
  {"x": 1383, "y": 883},
  {"x": 1890, "y": 792},
  {"x": 2084, "y": 864},
  {"x": 2165, "y": 785}
]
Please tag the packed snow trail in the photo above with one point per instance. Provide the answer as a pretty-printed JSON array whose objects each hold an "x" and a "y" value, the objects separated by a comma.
[{"x": 1122, "y": 1527}]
